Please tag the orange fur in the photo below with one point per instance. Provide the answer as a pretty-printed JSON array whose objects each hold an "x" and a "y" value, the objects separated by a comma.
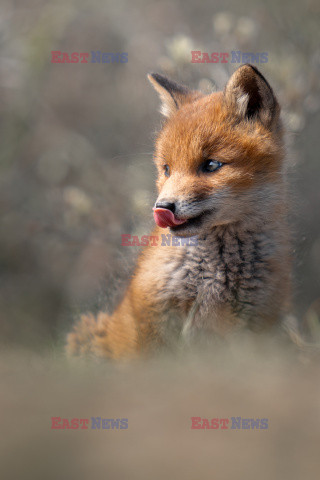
[{"x": 243, "y": 229}]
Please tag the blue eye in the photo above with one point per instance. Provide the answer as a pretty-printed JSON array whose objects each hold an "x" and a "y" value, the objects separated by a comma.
[
  {"x": 210, "y": 166},
  {"x": 166, "y": 170}
]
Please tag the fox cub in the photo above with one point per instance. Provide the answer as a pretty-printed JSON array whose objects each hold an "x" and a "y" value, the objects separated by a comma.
[{"x": 221, "y": 179}]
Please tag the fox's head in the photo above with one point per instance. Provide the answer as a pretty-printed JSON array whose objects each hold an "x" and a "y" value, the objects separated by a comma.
[{"x": 219, "y": 156}]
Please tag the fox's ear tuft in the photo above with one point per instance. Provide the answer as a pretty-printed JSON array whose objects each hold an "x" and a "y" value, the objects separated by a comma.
[
  {"x": 172, "y": 95},
  {"x": 251, "y": 96}
]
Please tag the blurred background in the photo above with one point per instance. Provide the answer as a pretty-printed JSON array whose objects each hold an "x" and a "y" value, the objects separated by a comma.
[
  {"x": 77, "y": 140},
  {"x": 76, "y": 172}
]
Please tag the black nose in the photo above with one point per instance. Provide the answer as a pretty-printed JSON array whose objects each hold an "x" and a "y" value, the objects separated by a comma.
[{"x": 167, "y": 205}]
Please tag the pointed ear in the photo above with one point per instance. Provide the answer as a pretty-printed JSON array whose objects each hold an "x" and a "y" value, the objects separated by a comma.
[
  {"x": 250, "y": 96},
  {"x": 172, "y": 95}
]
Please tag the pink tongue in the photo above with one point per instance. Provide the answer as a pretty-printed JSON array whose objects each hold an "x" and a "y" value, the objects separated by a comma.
[{"x": 165, "y": 218}]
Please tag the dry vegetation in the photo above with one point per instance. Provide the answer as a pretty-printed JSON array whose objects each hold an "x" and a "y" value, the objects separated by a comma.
[{"x": 75, "y": 173}]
